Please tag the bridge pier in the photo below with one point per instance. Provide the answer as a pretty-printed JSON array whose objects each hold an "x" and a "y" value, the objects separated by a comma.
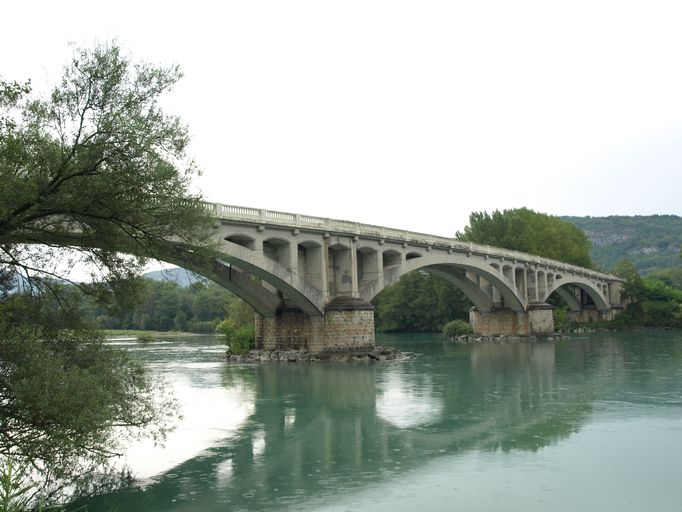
[
  {"x": 589, "y": 314},
  {"x": 536, "y": 320},
  {"x": 347, "y": 325}
]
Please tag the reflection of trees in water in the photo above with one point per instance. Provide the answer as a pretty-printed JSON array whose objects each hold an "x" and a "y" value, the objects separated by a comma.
[{"x": 324, "y": 429}]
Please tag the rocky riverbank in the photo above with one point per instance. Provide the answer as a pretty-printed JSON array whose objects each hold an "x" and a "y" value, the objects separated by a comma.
[
  {"x": 472, "y": 338},
  {"x": 297, "y": 356}
]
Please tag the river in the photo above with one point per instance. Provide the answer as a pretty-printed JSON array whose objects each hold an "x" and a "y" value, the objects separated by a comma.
[{"x": 590, "y": 423}]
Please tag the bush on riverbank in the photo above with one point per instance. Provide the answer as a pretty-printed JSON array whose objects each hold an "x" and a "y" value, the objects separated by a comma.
[
  {"x": 457, "y": 328},
  {"x": 240, "y": 340}
]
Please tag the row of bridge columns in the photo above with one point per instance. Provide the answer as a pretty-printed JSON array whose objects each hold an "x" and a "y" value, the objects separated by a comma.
[{"x": 335, "y": 267}]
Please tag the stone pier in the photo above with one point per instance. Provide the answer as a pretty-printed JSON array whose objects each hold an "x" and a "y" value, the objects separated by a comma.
[
  {"x": 347, "y": 325},
  {"x": 537, "y": 320},
  {"x": 589, "y": 314}
]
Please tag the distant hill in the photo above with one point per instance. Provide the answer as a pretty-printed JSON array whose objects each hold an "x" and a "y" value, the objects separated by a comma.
[
  {"x": 175, "y": 275},
  {"x": 651, "y": 242}
]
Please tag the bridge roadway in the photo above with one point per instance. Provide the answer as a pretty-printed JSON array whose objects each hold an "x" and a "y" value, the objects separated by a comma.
[{"x": 311, "y": 279}]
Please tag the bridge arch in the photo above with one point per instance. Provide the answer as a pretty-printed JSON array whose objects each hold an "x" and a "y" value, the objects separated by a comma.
[
  {"x": 560, "y": 284},
  {"x": 259, "y": 265},
  {"x": 234, "y": 269},
  {"x": 453, "y": 267},
  {"x": 241, "y": 239}
]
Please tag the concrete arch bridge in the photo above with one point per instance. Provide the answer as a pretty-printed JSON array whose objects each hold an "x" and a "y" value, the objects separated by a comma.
[{"x": 311, "y": 279}]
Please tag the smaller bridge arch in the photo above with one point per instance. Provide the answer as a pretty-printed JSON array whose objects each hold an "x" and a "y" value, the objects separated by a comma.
[{"x": 561, "y": 286}]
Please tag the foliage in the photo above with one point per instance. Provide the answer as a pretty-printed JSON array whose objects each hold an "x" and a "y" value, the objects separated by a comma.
[
  {"x": 238, "y": 327},
  {"x": 651, "y": 242},
  {"x": 239, "y": 339},
  {"x": 654, "y": 302},
  {"x": 457, "y": 328},
  {"x": 66, "y": 395},
  {"x": 419, "y": 302},
  {"x": 633, "y": 288},
  {"x": 16, "y": 491},
  {"x": 562, "y": 320},
  {"x": 96, "y": 167},
  {"x": 239, "y": 313},
  {"x": 93, "y": 170},
  {"x": 166, "y": 306},
  {"x": 671, "y": 276},
  {"x": 521, "y": 229}
]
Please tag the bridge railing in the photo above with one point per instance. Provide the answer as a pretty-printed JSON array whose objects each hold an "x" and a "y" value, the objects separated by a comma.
[{"x": 293, "y": 220}]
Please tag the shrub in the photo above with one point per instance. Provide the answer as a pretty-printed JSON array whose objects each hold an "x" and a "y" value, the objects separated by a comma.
[
  {"x": 146, "y": 338},
  {"x": 562, "y": 320},
  {"x": 239, "y": 339},
  {"x": 457, "y": 328},
  {"x": 16, "y": 492}
]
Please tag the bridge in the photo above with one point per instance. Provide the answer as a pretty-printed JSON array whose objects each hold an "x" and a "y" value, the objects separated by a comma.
[{"x": 311, "y": 279}]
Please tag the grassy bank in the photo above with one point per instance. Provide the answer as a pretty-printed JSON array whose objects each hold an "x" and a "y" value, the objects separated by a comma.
[{"x": 138, "y": 333}]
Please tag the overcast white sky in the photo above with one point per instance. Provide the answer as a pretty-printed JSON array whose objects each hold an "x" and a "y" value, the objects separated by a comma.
[{"x": 405, "y": 114}]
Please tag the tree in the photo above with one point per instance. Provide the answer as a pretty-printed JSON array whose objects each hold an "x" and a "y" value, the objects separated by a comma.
[
  {"x": 654, "y": 302},
  {"x": 634, "y": 286},
  {"x": 521, "y": 229},
  {"x": 97, "y": 167},
  {"x": 91, "y": 171},
  {"x": 419, "y": 302}
]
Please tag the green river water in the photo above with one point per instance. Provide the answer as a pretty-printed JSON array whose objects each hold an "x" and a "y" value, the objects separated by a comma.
[{"x": 593, "y": 423}]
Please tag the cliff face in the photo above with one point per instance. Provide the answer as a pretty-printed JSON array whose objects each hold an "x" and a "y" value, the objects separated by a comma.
[{"x": 651, "y": 242}]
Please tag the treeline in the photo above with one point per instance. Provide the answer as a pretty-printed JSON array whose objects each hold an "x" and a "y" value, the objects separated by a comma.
[{"x": 167, "y": 306}]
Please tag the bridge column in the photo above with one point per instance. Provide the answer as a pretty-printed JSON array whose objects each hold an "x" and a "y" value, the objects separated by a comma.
[
  {"x": 370, "y": 270},
  {"x": 292, "y": 258},
  {"x": 520, "y": 283},
  {"x": 536, "y": 321},
  {"x": 532, "y": 277},
  {"x": 615, "y": 291},
  {"x": 342, "y": 267},
  {"x": 354, "y": 292}
]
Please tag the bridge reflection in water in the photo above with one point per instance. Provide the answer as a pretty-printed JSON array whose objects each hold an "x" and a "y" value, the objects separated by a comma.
[{"x": 317, "y": 432}]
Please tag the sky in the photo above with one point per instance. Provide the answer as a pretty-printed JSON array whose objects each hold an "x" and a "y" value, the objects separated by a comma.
[{"x": 404, "y": 114}]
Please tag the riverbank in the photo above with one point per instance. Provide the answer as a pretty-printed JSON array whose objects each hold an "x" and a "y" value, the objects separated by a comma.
[
  {"x": 302, "y": 356},
  {"x": 473, "y": 338},
  {"x": 113, "y": 334}
]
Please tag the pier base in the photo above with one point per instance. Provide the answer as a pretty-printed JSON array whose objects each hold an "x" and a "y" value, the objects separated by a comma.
[
  {"x": 347, "y": 325},
  {"x": 591, "y": 314},
  {"x": 537, "y": 320}
]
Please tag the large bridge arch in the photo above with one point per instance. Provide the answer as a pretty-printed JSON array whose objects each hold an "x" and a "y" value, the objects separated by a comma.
[
  {"x": 234, "y": 269},
  {"x": 257, "y": 264},
  {"x": 453, "y": 267}
]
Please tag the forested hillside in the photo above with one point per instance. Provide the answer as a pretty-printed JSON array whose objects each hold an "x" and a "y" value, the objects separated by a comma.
[{"x": 651, "y": 242}]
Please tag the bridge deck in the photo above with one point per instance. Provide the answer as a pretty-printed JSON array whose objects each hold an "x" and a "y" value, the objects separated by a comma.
[{"x": 337, "y": 226}]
